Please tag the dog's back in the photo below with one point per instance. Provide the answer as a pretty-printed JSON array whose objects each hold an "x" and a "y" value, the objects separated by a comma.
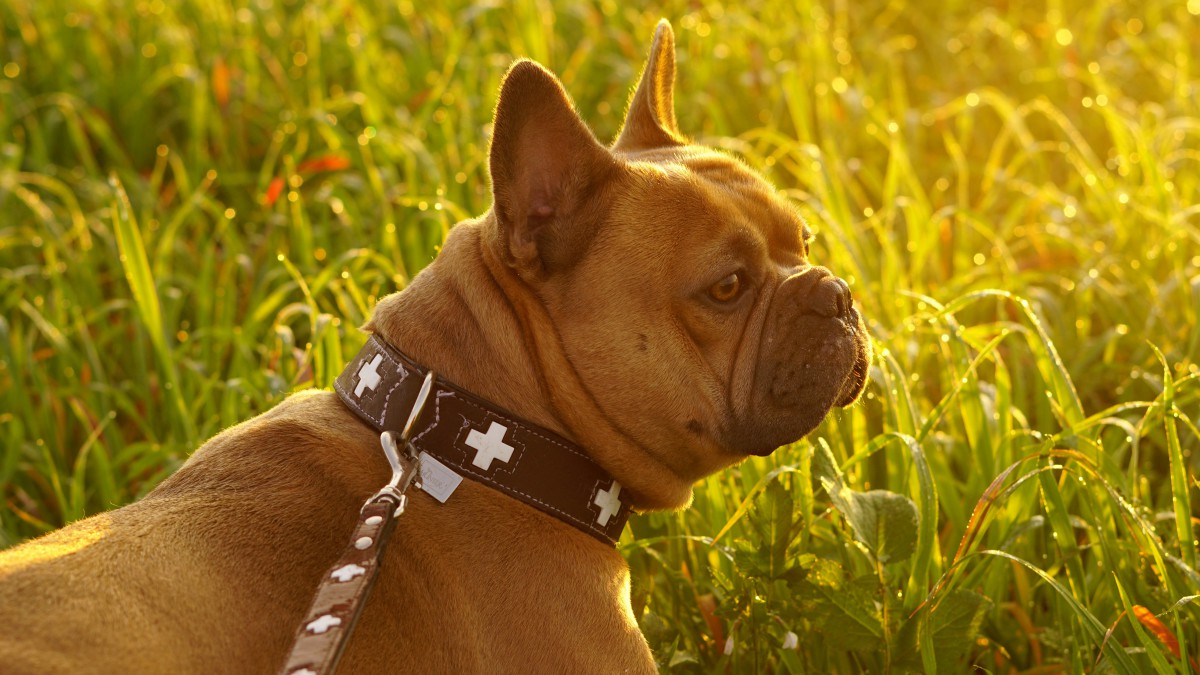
[
  {"x": 191, "y": 554},
  {"x": 214, "y": 569}
]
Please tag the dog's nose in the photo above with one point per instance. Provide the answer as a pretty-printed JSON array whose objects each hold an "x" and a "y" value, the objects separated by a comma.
[{"x": 822, "y": 293}]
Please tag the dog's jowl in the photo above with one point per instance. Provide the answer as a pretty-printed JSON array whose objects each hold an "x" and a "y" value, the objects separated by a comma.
[{"x": 623, "y": 321}]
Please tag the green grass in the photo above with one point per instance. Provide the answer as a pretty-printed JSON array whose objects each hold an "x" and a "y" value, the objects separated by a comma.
[{"x": 1012, "y": 191}]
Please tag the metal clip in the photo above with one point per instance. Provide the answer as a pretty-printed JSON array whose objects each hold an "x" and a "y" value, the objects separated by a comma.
[
  {"x": 418, "y": 407},
  {"x": 406, "y": 468}
]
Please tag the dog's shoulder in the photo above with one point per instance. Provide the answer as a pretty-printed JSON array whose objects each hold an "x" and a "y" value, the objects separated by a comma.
[{"x": 308, "y": 437}]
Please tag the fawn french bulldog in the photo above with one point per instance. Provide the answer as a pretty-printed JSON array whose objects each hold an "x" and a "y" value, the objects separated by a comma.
[{"x": 649, "y": 306}]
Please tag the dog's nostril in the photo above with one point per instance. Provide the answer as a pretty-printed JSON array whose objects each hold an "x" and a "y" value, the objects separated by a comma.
[
  {"x": 845, "y": 301},
  {"x": 830, "y": 298}
]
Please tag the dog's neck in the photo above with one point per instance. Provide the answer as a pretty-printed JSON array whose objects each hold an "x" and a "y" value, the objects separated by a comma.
[{"x": 451, "y": 323}]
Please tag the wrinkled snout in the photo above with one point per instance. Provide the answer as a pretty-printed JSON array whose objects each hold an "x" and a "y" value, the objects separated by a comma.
[
  {"x": 815, "y": 336},
  {"x": 814, "y": 356}
]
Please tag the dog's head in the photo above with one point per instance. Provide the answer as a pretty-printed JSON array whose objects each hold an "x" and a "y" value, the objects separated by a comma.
[{"x": 678, "y": 280}]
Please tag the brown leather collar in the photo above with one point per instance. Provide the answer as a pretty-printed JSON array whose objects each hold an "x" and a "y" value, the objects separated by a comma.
[{"x": 474, "y": 438}]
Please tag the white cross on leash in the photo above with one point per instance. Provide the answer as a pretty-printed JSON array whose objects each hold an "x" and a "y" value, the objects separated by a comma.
[
  {"x": 490, "y": 446},
  {"x": 347, "y": 572},
  {"x": 368, "y": 376},
  {"x": 323, "y": 623},
  {"x": 608, "y": 502}
]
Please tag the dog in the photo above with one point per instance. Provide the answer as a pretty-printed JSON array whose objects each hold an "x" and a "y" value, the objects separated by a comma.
[{"x": 652, "y": 301}]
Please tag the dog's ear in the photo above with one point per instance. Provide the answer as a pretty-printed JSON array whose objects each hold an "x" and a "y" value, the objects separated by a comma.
[
  {"x": 650, "y": 120},
  {"x": 545, "y": 165}
]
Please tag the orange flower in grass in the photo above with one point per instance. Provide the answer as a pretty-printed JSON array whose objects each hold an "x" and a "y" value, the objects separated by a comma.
[
  {"x": 308, "y": 166},
  {"x": 1165, "y": 635}
]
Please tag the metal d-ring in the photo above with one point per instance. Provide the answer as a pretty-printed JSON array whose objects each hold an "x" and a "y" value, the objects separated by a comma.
[
  {"x": 406, "y": 469},
  {"x": 418, "y": 407}
]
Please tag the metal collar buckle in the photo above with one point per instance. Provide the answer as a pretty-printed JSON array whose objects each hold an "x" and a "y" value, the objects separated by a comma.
[
  {"x": 406, "y": 469},
  {"x": 343, "y": 592}
]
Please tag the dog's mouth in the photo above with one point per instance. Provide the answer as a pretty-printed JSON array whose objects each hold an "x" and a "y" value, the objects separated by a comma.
[
  {"x": 799, "y": 381},
  {"x": 856, "y": 381}
]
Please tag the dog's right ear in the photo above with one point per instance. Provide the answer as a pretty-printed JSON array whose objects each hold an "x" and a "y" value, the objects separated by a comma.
[
  {"x": 650, "y": 120},
  {"x": 545, "y": 165}
]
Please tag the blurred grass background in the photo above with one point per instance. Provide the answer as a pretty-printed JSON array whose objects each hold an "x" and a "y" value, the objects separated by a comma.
[{"x": 203, "y": 199}]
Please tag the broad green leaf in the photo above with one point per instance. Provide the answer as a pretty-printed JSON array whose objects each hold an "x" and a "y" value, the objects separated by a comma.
[
  {"x": 953, "y": 626},
  {"x": 885, "y": 522},
  {"x": 846, "y": 613}
]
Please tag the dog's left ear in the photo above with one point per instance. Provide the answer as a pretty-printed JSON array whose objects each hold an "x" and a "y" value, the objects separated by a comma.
[
  {"x": 545, "y": 165},
  {"x": 650, "y": 120}
]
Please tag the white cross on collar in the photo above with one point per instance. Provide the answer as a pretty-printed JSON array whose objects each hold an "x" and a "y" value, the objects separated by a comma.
[
  {"x": 608, "y": 502},
  {"x": 368, "y": 375},
  {"x": 490, "y": 446}
]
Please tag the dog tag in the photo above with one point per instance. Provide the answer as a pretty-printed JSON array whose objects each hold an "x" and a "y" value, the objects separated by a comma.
[{"x": 437, "y": 479}]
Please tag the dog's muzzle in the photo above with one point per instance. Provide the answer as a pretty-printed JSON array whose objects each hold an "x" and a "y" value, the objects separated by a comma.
[{"x": 814, "y": 355}]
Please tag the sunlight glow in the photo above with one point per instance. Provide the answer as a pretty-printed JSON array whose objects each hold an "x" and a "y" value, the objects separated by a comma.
[{"x": 56, "y": 545}]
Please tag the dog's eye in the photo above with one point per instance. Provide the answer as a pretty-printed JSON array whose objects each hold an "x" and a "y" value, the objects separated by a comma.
[{"x": 726, "y": 289}]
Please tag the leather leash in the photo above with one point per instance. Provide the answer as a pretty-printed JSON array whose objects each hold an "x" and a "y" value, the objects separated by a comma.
[{"x": 322, "y": 636}]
